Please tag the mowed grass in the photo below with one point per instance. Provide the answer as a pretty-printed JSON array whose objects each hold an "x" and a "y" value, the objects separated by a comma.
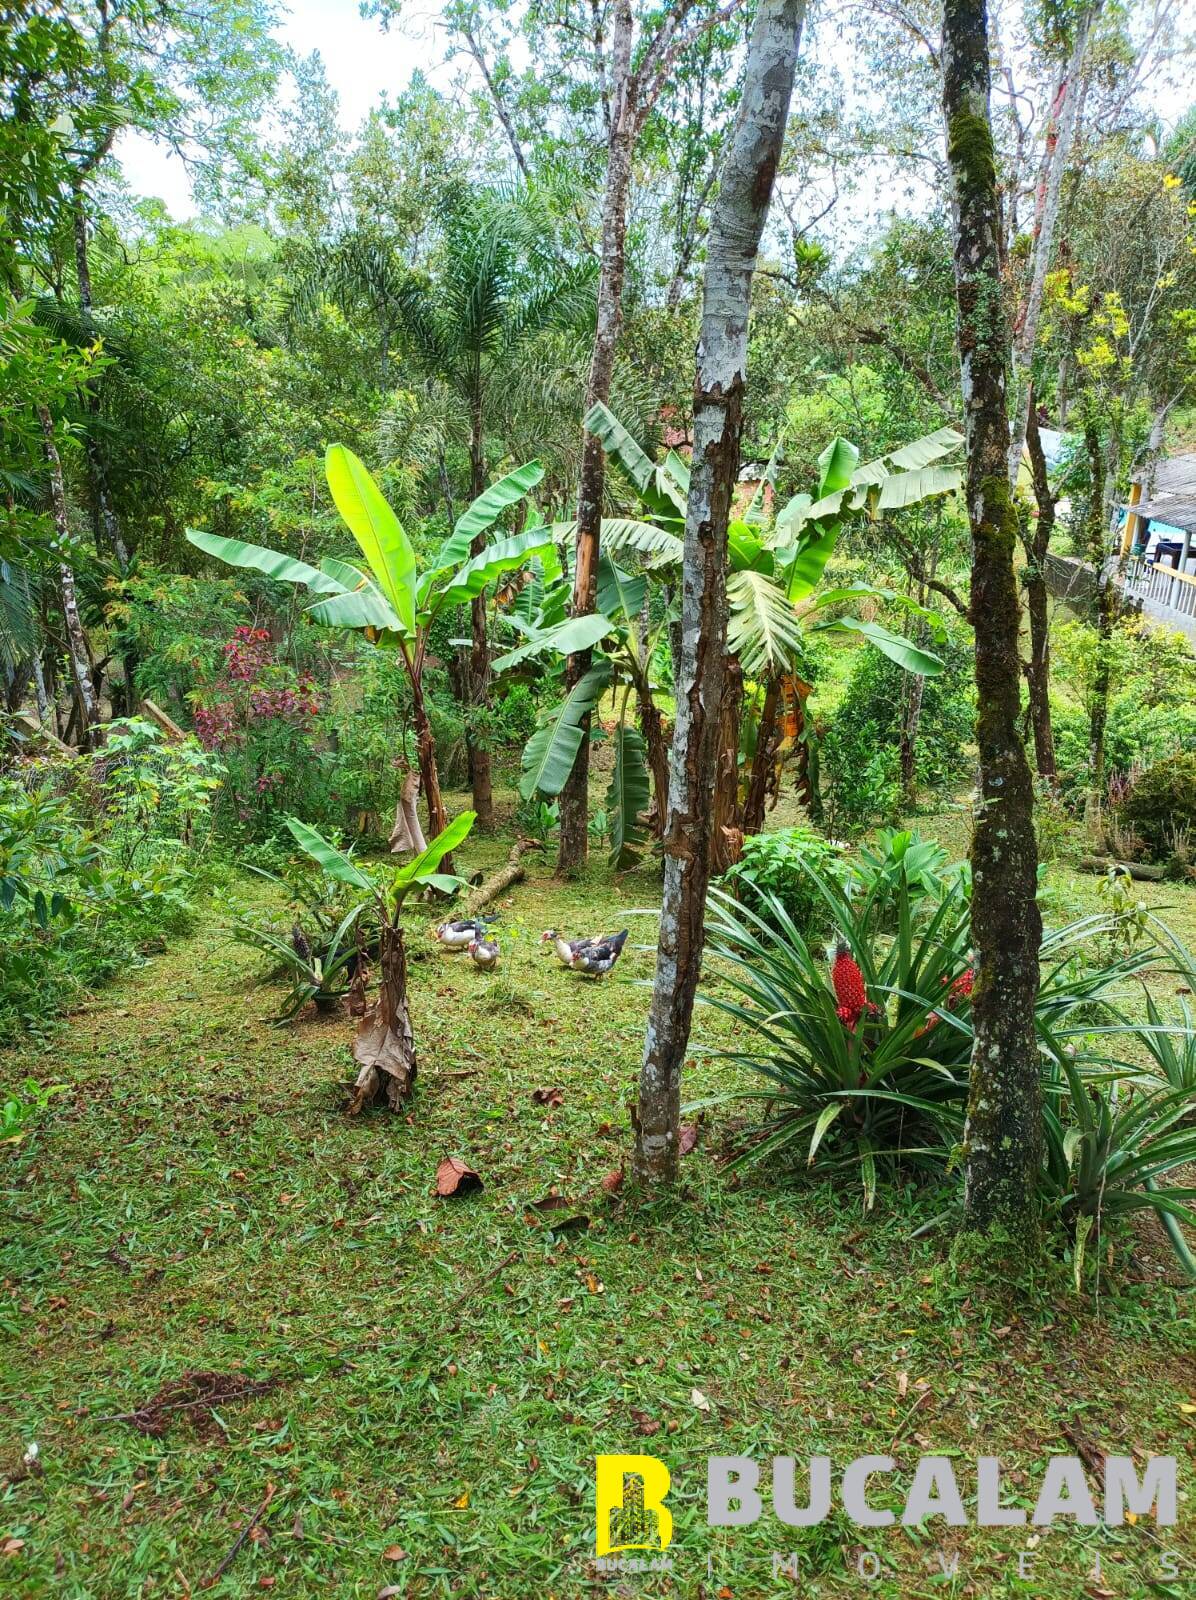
[{"x": 444, "y": 1371}]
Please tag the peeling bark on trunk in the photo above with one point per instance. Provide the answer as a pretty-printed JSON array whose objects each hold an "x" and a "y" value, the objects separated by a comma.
[
  {"x": 1038, "y": 668},
  {"x": 407, "y": 837},
  {"x": 574, "y": 797},
  {"x": 86, "y": 703},
  {"x": 1060, "y": 131},
  {"x": 1003, "y": 1134},
  {"x": 736, "y": 225},
  {"x": 384, "y": 1048}
]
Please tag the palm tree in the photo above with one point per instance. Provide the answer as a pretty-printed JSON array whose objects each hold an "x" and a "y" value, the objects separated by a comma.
[{"x": 472, "y": 326}]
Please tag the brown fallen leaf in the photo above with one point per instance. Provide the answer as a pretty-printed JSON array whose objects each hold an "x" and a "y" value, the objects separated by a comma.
[
  {"x": 389, "y": 1591},
  {"x": 454, "y": 1178},
  {"x": 613, "y": 1181},
  {"x": 551, "y": 1202},
  {"x": 645, "y": 1424},
  {"x": 548, "y": 1097},
  {"x": 699, "y": 1400},
  {"x": 12, "y": 1547},
  {"x": 394, "y": 1552},
  {"x": 687, "y": 1139}
]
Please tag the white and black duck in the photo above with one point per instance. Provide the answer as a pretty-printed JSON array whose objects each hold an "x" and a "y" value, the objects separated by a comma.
[
  {"x": 594, "y": 956},
  {"x": 458, "y": 935},
  {"x": 484, "y": 953}
]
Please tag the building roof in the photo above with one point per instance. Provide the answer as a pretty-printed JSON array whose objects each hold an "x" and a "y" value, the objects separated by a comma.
[{"x": 1172, "y": 496}]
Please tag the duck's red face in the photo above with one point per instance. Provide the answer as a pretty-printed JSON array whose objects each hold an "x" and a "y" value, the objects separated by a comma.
[
  {"x": 548, "y": 936},
  {"x": 473, "y": 944}
]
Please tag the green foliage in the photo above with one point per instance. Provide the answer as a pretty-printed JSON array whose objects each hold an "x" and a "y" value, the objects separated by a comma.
[
  {"x": 772, "y": 870},
  {"x": 1160, "y": 805},
  {"x": 628, "y": 795},
  {"x": 317, "y": 954},
  {"x": 20, "y": 1110},
  {"x": 99, "y": 858}
]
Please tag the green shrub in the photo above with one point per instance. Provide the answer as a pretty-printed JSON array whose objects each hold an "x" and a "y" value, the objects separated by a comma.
[
  {"x": 775, "y": 867},
  {"x": 1160, "y": 805}
]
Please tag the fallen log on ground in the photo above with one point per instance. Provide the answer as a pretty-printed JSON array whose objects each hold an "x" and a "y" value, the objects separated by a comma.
[
  {"x": 1141, "y": 871},
  {"x": 513, "y": 872}
]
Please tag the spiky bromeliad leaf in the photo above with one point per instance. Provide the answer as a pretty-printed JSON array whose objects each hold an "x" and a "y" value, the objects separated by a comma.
[
  {"x": 619, "y": 594},
  {"x": 575, "y": 633},
  {"x": 549, "y": 754},
  {"x": 628, "y": 795},
  {"x": 484, "y": 511},
  {"x": 655, "y": 486},
  {"x": 763, "y": 629},
  {"x": 902, "y": 651},
  {"x": 376, "y": 528}
]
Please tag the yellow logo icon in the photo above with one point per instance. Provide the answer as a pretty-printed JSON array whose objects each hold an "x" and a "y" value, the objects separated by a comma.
[{"x": 630, "y": 1495}]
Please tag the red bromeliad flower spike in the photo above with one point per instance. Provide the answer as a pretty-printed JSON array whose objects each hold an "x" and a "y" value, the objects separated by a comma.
[{"x": 848, "y": 983}]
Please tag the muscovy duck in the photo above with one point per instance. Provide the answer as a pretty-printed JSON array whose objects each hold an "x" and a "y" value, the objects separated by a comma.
[
  {"x": 484, "y": 953},
  {"x": 457, "y": 935},
  {"x": 567, "y": 950},
  {"x": 598, "y": 957}
]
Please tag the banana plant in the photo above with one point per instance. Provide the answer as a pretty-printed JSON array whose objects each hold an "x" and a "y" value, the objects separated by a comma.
[
  {"x": 384, "y": 1047},
  {"x": 388, "y": 598}
]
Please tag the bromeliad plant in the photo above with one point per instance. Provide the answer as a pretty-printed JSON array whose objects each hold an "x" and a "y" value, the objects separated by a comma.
[
  {"x": 318, "y": 955},
  {"x": 389, "y": 599},
  {"x": 384, "y": 1047},
  {"x": 865, "y": 1050}
]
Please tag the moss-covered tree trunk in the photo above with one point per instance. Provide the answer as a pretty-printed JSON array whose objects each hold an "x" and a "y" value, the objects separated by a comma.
[
  {"x": 1003, "y": 1138},
  {"x": 1106, "y": 614},
  {"x": 736, "y": 225}
]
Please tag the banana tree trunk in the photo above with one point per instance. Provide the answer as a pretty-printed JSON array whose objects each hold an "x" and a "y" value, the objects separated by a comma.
[
  {"x": 768, "y": 737},
  {"x": 652, "y": 728},
  {"x": 384, "y": 1047},
  {"x": 737, "y": 223},
  {"x": 429, "y": 777},
  {"x": 1003, "y": 1132}
]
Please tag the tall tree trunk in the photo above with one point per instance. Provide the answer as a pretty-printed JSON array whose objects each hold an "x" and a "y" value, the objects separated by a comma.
[
  {"x": 107, "y": 523},
  {"x": 911, "y": 720},
  {"x": 477, "y": 674},
  {"x": 88, "y": 718},
  {"x": 1038, "y": 668},
  {"x": 736, "y": 225},
  {"x": 574, "y": 798},
  {"x": 726, "y": 833},
  {"x": 1060, "y": 132},
  {"x": 1003, "y": 1135}
]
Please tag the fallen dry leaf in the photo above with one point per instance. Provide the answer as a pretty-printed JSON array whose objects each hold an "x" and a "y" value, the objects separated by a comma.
[
  {"x": 394, "y": 1552},
  {"x": 699, "y": 1400},
  {"x": 548, "y": 1097},
  {"x": 461, "y": 1502},
  {"x": 613, "y": 1181},
  {"x": 12, "y": 1547},
  {"x": 453, "y": 1178},
  {"x": 687, "y": 1139}
]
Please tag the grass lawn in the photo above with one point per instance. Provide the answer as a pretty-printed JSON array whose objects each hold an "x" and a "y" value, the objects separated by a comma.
[{"x": 439, "y": 1374}]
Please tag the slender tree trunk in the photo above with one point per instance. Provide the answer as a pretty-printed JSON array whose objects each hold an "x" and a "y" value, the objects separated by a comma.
[
  {"x": 429, "y": 777},
  {"x": 1038, "y": 669},
  {"x": 80, "y": 656},
  {"x": 1003, "y": 1135},
  {"x": 478, "y": 671},
  {"x": 652, "y": 728},
  {"x": 736, "y": 225},
  {"x": 915, "y": 689},
  {"x": 107, "y": 523},
  {"x": 1106, "y": 617},
  {"x": 1060, "y": 132},
  {"x": 574, "y": 798}
]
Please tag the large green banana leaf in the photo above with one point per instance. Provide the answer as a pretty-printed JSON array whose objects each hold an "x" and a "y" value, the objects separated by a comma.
[
  {"x": 619, "y": 594},
  {"x": 334, "y": 862},
  {"x": 376, "y": 528},
  {"x": 272, "y": 562},
  {"x": 549, "y": 754},
  {"x": 423, "y": 866},
  {"x": 628, "y": 795},
  {"x": 484, "y": 511},
  {"x": 893, "y": 645},
  {"x": 575, "y": 633},
  {"x": 505, "y": 555}
]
